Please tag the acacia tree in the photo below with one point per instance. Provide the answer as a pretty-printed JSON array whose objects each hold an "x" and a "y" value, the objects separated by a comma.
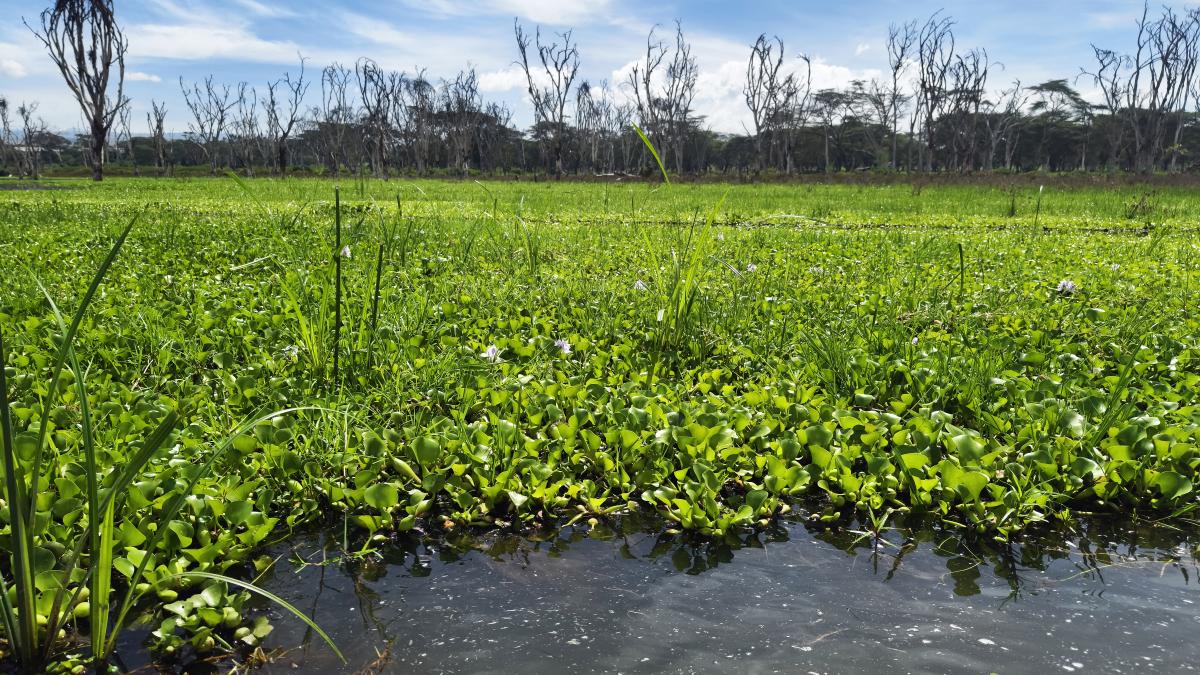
[
  {"x": 560, "y": 63},
  {"x": 87, "y": 45}
]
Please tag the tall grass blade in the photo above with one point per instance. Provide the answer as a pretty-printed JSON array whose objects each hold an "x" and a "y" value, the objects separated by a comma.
[
  {"x": 275, "y": 599},
  {"x": 653, "y": 152}
]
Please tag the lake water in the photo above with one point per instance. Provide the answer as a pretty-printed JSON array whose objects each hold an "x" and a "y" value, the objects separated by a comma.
[{"x": 1103, "y": 598}]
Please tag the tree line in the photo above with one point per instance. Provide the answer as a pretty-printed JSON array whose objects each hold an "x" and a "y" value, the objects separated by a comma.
[{"x": 938, "y": 107}]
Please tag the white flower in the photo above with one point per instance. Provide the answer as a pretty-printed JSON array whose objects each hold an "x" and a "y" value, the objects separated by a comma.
[
  {"x": 492, "y": 353},
  {"x": 346, "y": 251},
  {"x": 639, "y": 285},
  {"x": 914, "y": 341},
  {"x": 1066, "y": 287},
  {"x": 292, "y": 352},
  {"x": 1115, "y": 266},
  {"x": 563, "y": 346},
  {"x": 751, "y": 267},
  {"x": 168, "y": 278},
  {"x": 720, "y": 236}
]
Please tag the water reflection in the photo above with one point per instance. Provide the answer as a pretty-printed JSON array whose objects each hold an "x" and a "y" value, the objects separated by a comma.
[{"x": 632, "y": 595}]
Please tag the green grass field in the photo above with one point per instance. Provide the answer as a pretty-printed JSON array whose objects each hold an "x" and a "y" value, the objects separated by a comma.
[{"x": 529, "y": 354}]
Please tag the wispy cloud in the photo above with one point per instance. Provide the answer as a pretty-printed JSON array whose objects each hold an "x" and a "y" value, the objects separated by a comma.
[
  {"x": 203, "y": 42},
  {"x": 138, "y": 76},
  {"x": 551, "y": 12},
  {"x": 13, "y": 68},
  {"x": 266, "y": 11}
]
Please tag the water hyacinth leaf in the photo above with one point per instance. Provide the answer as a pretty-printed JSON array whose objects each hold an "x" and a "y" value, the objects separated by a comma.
[
  {"x": 382, "y": 496},
  {"x": 1172, "y": 485},
  {"x": 427, "y": 450}
]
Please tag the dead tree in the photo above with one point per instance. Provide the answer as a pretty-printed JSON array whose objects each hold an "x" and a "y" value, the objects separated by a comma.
[
  {"x": 414, "y": 114},
  {"x": 935, "y": 56},
  {"x": 284, "y": 109},
  {"x": 87, "y": 45},
  {"x": 964, "y": 95},
  {"x": 210, "y": 109},
  {"x": 156, "y": 120},
  {"x": 1157, "y": 89},
  {"x": 589, "y": 116},
  {"x": 459, "y": 111},
  {"x": 375, "y": 92},
  {"x": 336, "y": 116},
  {"x": 124, "y": 133},
  {"x": 900, "y": 44},
  {"x": 560, "y": 63},
  {"x": 6, "y": 136},
  {"x": 246, "y": 134},
  {"x": 664, "y": 101},
  {"x": 769, "y": 94},
  {"x": 1002, "y": 119},
  {"x": 33, "y": 131},
  {"x": 1111, "y": 79}
]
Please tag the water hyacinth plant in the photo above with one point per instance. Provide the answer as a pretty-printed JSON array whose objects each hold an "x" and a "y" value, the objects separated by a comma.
[
  {"x": 908, "y": 359},
  {"x": 55, "y": 581}
]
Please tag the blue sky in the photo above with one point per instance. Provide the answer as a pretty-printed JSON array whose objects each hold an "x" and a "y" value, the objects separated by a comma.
[{"x": 257, "y": 40}]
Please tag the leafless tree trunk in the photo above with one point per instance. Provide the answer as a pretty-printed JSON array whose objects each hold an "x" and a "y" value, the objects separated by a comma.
[
  {"x": 418, "y": 105},
  {"x": 6, "y": 136},
  {"x": 33, "y": 130},
  {"x": 337, "y": 116},
  {"x": 156, "y": 120},
  {"x": 460, "y": 108},
  {"x": 375, "y": 92},
  {"x": 284, "y": 108},
  {"x": 560, "y": 63},
  {"x": 1109, "y": 77},
  {"x": 935, "y": 56},
  {"x": 85, "y": 42},
  {"x": 900, "y": 43},
  {"x": 210, "y": 109},
  {"x": 1001, "y": 119},
  {"x": 770, "y": 94},
  {"x": 246, "y": 133},
  {"x": 124, "y": 133},
  {"x": 664, "y": 104}
]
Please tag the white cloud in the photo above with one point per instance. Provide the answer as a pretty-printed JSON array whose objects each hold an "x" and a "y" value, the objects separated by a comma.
[
  {"x": 508, "y": 79},
  {"x": 202, "y": 41},
  {"x": 552, "y": 12},
  {"x": 264, "y": 10},
  {"x": 138, "y": 76},
  {"x": 862, "y": 48},
  {"x": 12, "y": 68}
]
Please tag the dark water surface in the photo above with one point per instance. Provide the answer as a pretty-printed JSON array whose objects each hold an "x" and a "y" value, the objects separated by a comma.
[{"x": 1103, "y": 598}]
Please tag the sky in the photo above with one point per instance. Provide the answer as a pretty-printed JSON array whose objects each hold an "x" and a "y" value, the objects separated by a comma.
[{"x": 257, "y": 41}]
